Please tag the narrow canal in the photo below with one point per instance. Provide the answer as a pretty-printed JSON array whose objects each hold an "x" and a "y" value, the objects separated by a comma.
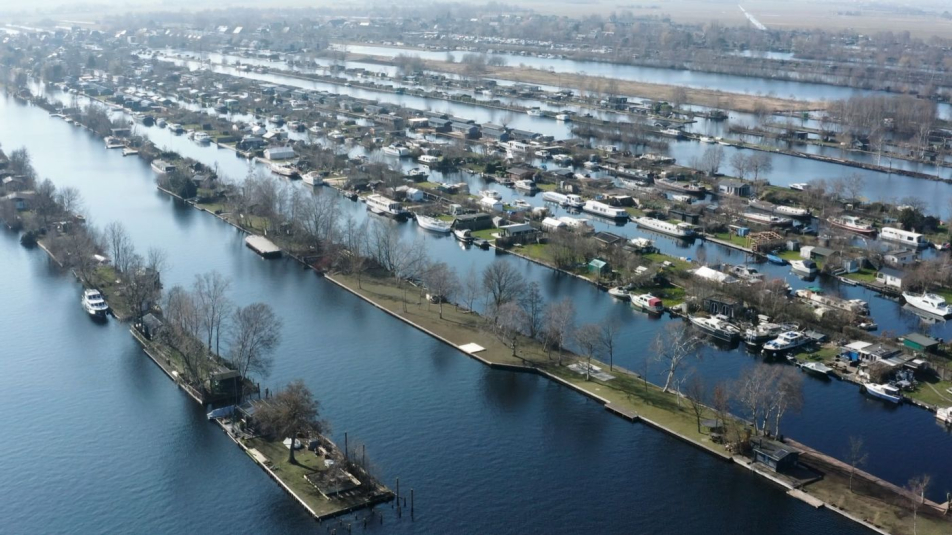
[{"x": 486, "y": 451}]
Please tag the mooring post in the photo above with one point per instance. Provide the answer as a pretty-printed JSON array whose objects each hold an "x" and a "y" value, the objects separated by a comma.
[
  {"x": 346, "y": 454},
  {"x": 411, "y": 502},
  {"x": 363, "y": 455}
]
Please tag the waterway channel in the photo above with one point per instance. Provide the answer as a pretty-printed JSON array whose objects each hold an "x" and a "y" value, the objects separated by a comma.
[{"x": 96, "y": 439}]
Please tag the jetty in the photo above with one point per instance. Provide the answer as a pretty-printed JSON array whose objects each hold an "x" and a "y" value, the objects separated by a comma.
[{"x": 263, "y": 246}]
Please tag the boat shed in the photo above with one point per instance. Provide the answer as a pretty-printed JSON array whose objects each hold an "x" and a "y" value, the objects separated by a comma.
[
  {"x": 921, "y": 343},
  {"x": 776, "y": 455},
  {"x": 480, "y": 221}
]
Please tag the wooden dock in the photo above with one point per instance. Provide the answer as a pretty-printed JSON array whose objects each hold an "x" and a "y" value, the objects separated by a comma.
[{"x": 263, "y": 246}]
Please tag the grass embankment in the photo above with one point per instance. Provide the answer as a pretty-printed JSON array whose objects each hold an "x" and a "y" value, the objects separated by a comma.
[
  {"x": 627, "y": 391},
  {"x": 934, "y": 393},
  {"x": 106, "y": 280},
  {"x": 826, "y": 354},
  {"x": 864, "y": 275},
  {"x": 740, "y": 241}
]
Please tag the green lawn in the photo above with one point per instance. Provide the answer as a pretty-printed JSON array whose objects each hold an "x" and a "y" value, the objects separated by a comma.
[
  {"x": 661, "y": 257},
  {"x": 740, "y": 241},
  {"x": 539, "y": 251},
  {"x": 790, "y": 255},
  {"x": 824, "y": 354},
  {"x": 485, "y": 234},
  {"x": 933, "y": 393},
  {"x": 863, "y": 275},
  {"x": 547, "y": 187}
]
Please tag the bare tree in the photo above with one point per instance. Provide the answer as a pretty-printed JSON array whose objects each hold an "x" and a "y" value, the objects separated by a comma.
[
  {"x": 711, "y": 159},
  {"x": 70, "y": 199},
  {"x": 740, "y": 165},
  {"x": 759, "y": 164},
  {"x": 534, "y": 305},
  {"x": 256, "y": 333},
  {"x": 856, "y": 456},
  {"x": 120, "y": 246},
  {"x": 291, "y": 412},
  {"x": 503, "y": 283},
  {"x": 356, "y": 243},
  {"x": 470, "y": 289},
  {"x": 210, "y": 291},
  {"x": 674, "y": 344},
  {"x": 588, "y": 338},
  {"x": 917, "y": 488},
  {"x": 607, "y": 339},
  {"x": 787, "y": 394},
  {"x": 720, "y": 401},
  {"x": 696, "y": 392},
  {"x": 442, "y": 282},
  {"x": 509, "y": 320},
  {"x": 558, "y": 323}
]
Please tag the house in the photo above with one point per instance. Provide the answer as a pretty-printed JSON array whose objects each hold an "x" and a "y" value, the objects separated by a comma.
[
  {"x": 22, "y": 201},
  {"x": 920, "y": 343},
  {"x": 890, "y": 277},
  {"x": 518, "y": 230},
  {"x": 550, "y": 224},
  {"x": 495, "y": 131},
  {"x": 899, "y": 257},
  {"x": 520, "y": 173},
  {"x": 607, "y": 239},
  {"x": 470, "y": 131},
  {"x": 722, "y": 305},
  {"x": 599, "y": 267},
  {"x": 279, "y": 153},
  {"x": 490, "y": 204},
  {"x": 479, "y": 221},
  {"x": 869, "y": 352},
  {"x": 418, "y": 122},
  {"x": 687, "y": 217},
  {"x": 775, "y": 455},
  {"x": 734, "y": 187}
]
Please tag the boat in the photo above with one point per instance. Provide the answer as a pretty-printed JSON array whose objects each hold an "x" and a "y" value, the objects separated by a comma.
[
  {"x": 463, "y": 235},
  {"x": 905, "y": 237},
  {"x": 534, "y": 112},
  {"x": 681, "y": 197},
  {"x": 765, "y": 219},
  {"x": 852, "y": 224},
  {"x": 283, "y": 169},
  {"x": 678, "y": 230},
  {"x": 160, "y": 122},
  {"x": 774, "y": 259},
  {"x": 563, "y": 117},
  {"x": 114, "y": 143},
  {"x": 847, "y": 281},
  {"x": 94, "y": 304},
  {"x": 706, "y": 139},
  {"x": 201, "y": 138},
  {"x": 763, "y": 332},
  {"x": 567, "y": 200},
  {"x": 417, "y": 172},
  {"x": 521, "y": 204},
  {"x": 944, "y": 415},
  {"x": 800, "y": 186},
  {"x": 647, "y": 303},
  {"x": 604, "y": 210},
  {"x": 683, "y": 187},
  {"x": 672, "y": 132},
  {"x": 815, "y": 296},
  {"x": 817, "y": 369},
  {"x": 129, "y": 151},
  {"x": 791, "y": 211},
  {"x": 619, "y": 293},
  {"x": 804, "y": 266},
  {"x": 716, "y": 326},
  {"x": 433, "y": 224},
  {"x": 381, "y": 205},
  {"x": 526, "y": 185},
  {"x": 176, "y": 128},
  {"x": 931, "y": 303},
  {"x": 491, "y": 194},
  {"x": 885, "y": 392},
  {"x": 394, "y": 150},
  {"x": 786, "y": 341}
]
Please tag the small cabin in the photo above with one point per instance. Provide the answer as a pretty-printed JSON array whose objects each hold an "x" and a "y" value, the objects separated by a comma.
[
  {"x": 599, "y": 267},
  {"x": 777, "y": 456}
]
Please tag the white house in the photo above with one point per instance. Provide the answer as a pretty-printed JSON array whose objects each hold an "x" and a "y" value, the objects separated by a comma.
[
  {"x": 491, "y": 204},
  {"x": 899, "y": 257},
  {"x": 889, "y": 277}
]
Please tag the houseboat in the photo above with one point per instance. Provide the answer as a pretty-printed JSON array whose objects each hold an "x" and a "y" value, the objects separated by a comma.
[
  {"x": 313, "y": 178},
  {"x": 94, "y": 304},
  {"x": 913, "y": 239},
  {"x": 761, "y": 333},
  {"x": 767, "y": 219},
  {"x": 563, "y": 117},
  {"x": 604, "y": 210},
  {"x": 678, "y": 230},
  {"x": 647, "y": 303},
  {"x": 567, "y": 200},
  {"x": 201, "y": 138},
  {"x": 534, "y": 111},
  {"x": 852, "y": 224},
  {"x": 381, "y": 205},
  {"x": 931, "y": 303},
  {"x": 944, "y": 415}
]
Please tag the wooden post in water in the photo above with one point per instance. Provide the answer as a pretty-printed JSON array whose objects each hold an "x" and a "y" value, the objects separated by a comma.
[
  {"x": 346, "y": 453},
  {"x": 399, "y": 509},
  {"x": 363, "y": 455},
  {"x": 411, "y": 503}
]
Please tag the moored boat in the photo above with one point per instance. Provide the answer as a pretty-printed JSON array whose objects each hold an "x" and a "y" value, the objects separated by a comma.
[
  {"x": 619, "y": 293},
  {"x": 647, "y": 303},
  {"x": 463, "y": 235},
  {"x": 817, "y": 369},
  {"x": 716, "y": 326},
  {"x": 853, "y": 224},
  {"x": 931, "y": 303},
  {"x": 885, "y": 392},
  {"x": 787, "y": 341},
  {"x": 95, "y": 304},
  {"x": 433, "y": 224},
  {"x": 678, "y": 230}
]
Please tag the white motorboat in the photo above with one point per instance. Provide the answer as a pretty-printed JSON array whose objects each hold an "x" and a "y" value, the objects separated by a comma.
[
  {"x": 520, "y": 204},
  {"x": 706, "y": 139},
  {"x": 766, "y": 219},
  {"x": 283, "y": 169},
  {"x": 162, "y": 167},
  {"x": 763, "y": 332},
  {"x": 716, "y": 326},
  {"x": 433, "y": 224},
  {"x": 931, "y": 303},
  {"x": 114, "y": 143},
  {"x": 160, "y": 122},
  {"x": 563, "y": 117},
  {"x": 394, "y": 150},
  {"x": 619, "y": 293},
  {"x": 805, "y": 266},
  {"x": 95, "y": 304},
  {"x": 647, "y": 303},
  {"x": 800, "y": 186},
  {"x": 201, "y": 138},
  {"x": 785, "y": 342},
  {"x": 491, "y": 194},
  {"x": 313, "y": 178},
  {"x": 417, "y": 172},
  {"x": 381, "y": 205},
  {"x": 885, "y": 392},
  {"x": 567, "y": 200},
  {"x": 463, "y": 235},
  {"x": 817, "y": 368},
  {"x": 534, "y": 111},
  {"x": 678, "y": 230},
  {"x": 129, "y": 151},
  {"x": 526, "y": 185}
]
